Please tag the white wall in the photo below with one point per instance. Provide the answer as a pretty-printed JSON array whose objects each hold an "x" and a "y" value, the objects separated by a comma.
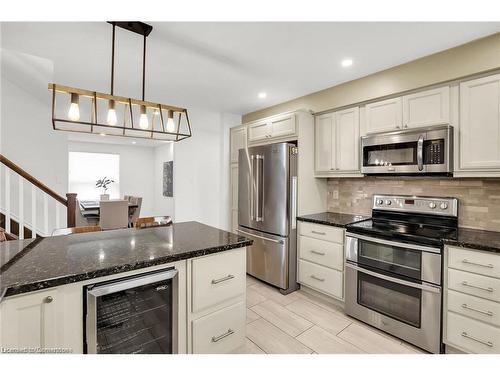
[
  {"x": 164, "y": 206},
  {"x": 136, "y": 169},
  {"x": 201, "y": 170}
]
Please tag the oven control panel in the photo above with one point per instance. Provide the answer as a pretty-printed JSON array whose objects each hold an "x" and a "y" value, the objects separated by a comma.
[{"x": 411, "y": 203}]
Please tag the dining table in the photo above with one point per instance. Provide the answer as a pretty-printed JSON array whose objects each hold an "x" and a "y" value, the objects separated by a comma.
[{"x": 91, "y": 208}]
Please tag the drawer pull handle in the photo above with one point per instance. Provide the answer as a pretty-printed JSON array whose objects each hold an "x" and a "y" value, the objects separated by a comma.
[
  {"x": 317, "y": 278},
  {"x": 223, "y": 336},
  {"x": 320, "y": 233},
  {"x": 465, "y": 261},
  {"x": 489, "y": 313},
  {"x": 222, "y": 279},
  {"x": 489, "y": 289},
  {"x": 317, "y": 252},
  {"x": 487, "y": 343}
]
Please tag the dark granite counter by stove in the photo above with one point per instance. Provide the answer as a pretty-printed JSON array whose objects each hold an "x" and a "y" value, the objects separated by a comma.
[
  {"x": 29, "y": 265},
  {"x": 476, "y": 239},
  {"x": 332, "y": 218}
]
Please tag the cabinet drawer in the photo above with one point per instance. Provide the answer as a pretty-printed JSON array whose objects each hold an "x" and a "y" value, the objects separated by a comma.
[
  {"x": 477, "y": 285},
  {"x": 321, "y": 278},
  {"x": 217, "y": 278},
  {"x": 328, "y": 254},
  {"x": 487, "y": 264},
  {"x": 479, "y": 308},
  {"x": 322, "y": 232},
  {"x": 471, "y": 335},
  {"x": 221, "y": 331}
]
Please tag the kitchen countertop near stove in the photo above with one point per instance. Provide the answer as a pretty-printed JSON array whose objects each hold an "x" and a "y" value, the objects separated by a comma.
[
  {"x": 476, "y": 239},
  {"x": 333, "y": 219},
  {"x": 29, "y": 265}
]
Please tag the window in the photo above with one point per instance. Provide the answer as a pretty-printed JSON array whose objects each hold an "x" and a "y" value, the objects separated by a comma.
[{"x": 85, "y": 168}]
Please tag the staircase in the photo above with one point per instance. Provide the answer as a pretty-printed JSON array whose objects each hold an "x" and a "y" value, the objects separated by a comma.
[{"x": 28, "y": 207}]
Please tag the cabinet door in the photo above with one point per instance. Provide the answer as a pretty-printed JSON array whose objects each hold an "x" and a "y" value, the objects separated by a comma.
[
  {"x": 479, "y": 128},
  {"x": 259, "y": 131},
  {"x": 238, "y": 141},
  {"x": 427, "y": 108},
  {"x": 324, "y": 133},
  {"x": 347, "y": 139},
  {"x": 384, "y": 116},
  {"x": 284, "y": 126},
  {"x": 31, "y": 321}
]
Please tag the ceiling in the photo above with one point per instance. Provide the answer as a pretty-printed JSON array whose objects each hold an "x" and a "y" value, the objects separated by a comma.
[{"x": 223, "y": 66}]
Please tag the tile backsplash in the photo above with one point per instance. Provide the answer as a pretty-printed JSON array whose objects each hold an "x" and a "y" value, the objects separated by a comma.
[{"x": 479, "y": 199}]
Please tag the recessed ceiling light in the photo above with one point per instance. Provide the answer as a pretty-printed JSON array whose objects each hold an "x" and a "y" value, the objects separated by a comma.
[
  {"x": 134, "y": 142},
  {"x": 102, "y": 135},
  {"x": 262, "y": 95},
  {"x": 346, "y": 63}
]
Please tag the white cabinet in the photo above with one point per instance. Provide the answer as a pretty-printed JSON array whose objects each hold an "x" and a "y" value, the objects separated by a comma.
[
  {"x": 385, "y": 115},
  {"x": 238, "y": 141},
  {"x": 272, "y": 129},
  {"x": 32, "y": 321},
  {"x": 337, "y": 143},
  {"x": 427, "y": 108},
  {"x": 479, "y": 126},
  {"x": 472, "y": 300}
]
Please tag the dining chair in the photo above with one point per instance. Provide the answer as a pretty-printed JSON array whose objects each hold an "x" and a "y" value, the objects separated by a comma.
[
  {"x": 3, "y": 237},
  {"x": 153, "y": 221},
  {"x": 113, "y": 214},
  {"x": 75, "y": 230},
  {"x": 136, "y": 211}
]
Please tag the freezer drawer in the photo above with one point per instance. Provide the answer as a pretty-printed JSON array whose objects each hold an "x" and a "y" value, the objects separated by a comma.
[{"x": 267, "y": 258}]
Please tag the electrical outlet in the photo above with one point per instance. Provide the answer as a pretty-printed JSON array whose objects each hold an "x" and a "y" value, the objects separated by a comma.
[{"x": 335, "y": 194}]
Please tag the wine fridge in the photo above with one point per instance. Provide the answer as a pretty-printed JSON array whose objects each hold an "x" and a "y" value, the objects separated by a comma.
[{"x": 136, "y": 314}]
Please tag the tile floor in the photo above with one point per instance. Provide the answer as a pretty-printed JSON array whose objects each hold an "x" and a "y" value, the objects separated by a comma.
[{"x": 300, "y": 323}]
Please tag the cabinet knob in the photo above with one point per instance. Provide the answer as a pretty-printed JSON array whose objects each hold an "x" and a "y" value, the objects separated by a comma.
[{"x": 48, "y": 299}]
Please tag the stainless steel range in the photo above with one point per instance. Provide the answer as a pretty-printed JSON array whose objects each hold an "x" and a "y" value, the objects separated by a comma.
[{"x": 393, "y": 266}]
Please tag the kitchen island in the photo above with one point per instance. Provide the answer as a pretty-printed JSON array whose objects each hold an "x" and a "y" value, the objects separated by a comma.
[{"x": 43, "y": 283}]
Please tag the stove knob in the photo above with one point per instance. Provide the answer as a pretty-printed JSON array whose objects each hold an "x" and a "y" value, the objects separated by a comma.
[
  {"x": 443, "y": 206},
  {"x": 432, "y": 205},
  {"x": 388, "y": 202},
  {"x": 380, "y": 201}
]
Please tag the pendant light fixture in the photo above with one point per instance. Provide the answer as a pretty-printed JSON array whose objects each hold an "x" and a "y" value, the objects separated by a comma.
[{"x": 108, "y": 114}]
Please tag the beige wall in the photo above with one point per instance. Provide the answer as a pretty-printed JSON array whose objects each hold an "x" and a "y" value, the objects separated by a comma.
[
  {"x": 479, "y": 56},
  {"x": 479, "y": 199}
]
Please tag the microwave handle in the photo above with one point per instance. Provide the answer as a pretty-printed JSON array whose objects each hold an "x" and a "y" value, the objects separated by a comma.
[{"x": 420, "y": 153}]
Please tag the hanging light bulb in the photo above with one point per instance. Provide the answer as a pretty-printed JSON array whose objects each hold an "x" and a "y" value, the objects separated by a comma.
[
  {"x": 112, "y": 120},
  {"x": 170, "y": 122},
  {"x": 143, "y": 120},
  {"x": 74, "y": 108}
]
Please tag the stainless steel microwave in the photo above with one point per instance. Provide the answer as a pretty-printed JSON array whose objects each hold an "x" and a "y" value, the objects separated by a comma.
[{"x": 409, "y": 152}]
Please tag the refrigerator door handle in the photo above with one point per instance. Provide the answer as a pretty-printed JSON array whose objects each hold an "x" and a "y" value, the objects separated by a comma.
[
  {"x": 259, "y": 188},
  {"x": 281, "y": 242},
  {"x": 252, "y": 189}
]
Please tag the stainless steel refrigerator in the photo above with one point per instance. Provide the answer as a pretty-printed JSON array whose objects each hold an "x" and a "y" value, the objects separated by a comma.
[{"x": 267, "y": 207}]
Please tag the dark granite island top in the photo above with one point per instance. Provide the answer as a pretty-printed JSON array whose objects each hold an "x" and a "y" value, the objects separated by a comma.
[
  {"x": 334, "y": 219},
  {"x": 476, "y": 239},
  {"x": 31, "y": 265}
]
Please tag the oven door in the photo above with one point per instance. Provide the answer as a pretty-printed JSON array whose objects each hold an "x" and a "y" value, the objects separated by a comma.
[
  {"x": 408, "y": 310},
  {"x": 398, "y": 258}
]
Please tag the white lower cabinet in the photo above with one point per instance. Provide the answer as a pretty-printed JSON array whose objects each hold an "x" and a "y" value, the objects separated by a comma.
[
  {"x": 321, "y": 258},
  {"x": 472, "y": 300},
  {"x": 32, "y": 321},
  {"x": 221, "y": 331}
]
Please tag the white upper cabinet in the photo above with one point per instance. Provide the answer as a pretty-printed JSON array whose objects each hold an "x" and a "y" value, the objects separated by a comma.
[
  {"x": 323, "y": 143},
  {"x": 427, "y": 108},
  {"x": 238, "y": 141},
  {"x": 479, "y": 126},
  {"x": 273, "y": 128},
  {"x": 337, "y": 142},
  {"x": 384, "y": 116},
  {"x": 347, "y": 128}
]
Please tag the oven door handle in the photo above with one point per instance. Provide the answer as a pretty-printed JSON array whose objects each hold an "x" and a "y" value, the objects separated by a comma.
[
  {"x": 402, "y": 245},
  {"x": 426, "y": 287}
]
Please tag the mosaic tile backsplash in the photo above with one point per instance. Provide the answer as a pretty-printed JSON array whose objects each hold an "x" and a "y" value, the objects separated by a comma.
[{"x": 479, "y": 199}]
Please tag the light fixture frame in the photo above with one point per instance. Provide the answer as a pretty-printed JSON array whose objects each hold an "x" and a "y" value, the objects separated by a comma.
[{"x": 124, "y": 130}]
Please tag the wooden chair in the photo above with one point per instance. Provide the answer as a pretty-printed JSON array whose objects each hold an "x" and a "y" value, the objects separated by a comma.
[
  {"x": 153, "y": 221},
  {"x": 113, "y": 214},
  {"x": 75, "y": 230}
]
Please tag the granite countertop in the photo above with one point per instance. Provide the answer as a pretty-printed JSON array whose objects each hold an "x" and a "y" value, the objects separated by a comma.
[
  {"x": 476, "y": 239},
  {"x": 334, "y": 219},
  {"x": 34, "y": 264}
]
